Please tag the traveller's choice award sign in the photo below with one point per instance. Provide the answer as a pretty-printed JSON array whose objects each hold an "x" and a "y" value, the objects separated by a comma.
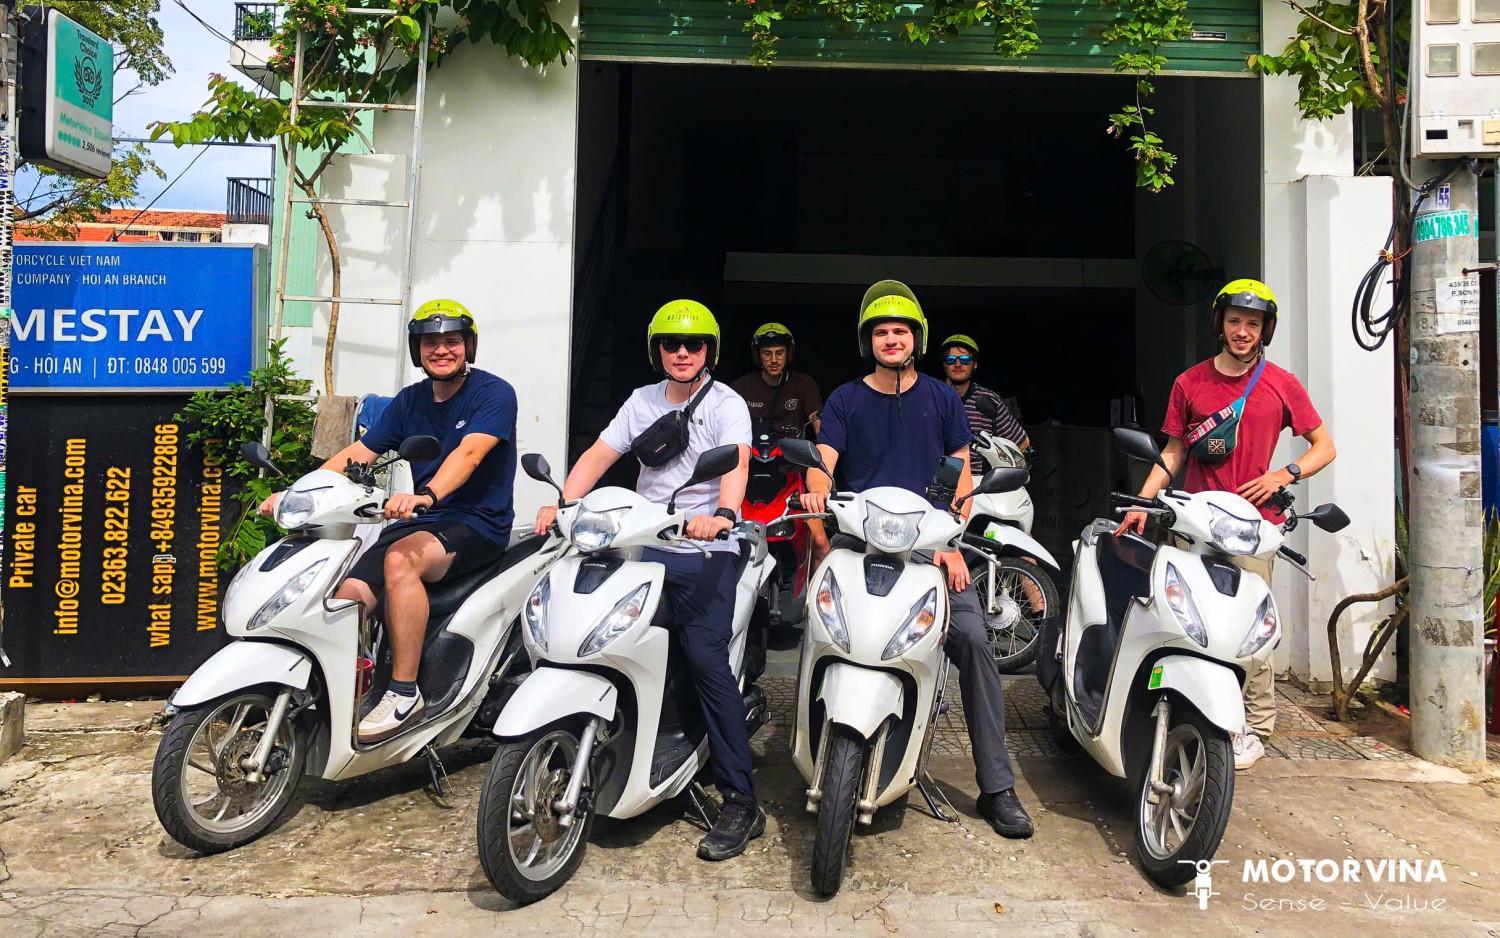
[
  {"x": 134, "y": 317},
  {"x": 67, "y": 96},
  {"x": 113, "y": 522}
]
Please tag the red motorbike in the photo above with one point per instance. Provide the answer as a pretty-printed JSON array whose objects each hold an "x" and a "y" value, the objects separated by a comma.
[{"x": 773, "y": 481}]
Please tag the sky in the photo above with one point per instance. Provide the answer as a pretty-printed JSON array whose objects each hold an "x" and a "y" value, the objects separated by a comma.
[{"x": 195, "y": 54}]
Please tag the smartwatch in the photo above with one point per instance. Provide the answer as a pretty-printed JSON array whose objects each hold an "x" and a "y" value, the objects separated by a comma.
[
  {"x": 424, "y": 490},
  {"x": 1295, "y": 471},
  {"x": 727, "y": 513}
]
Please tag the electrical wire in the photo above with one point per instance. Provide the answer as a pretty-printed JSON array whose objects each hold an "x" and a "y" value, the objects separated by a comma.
[{"x": 119, "y": 231}]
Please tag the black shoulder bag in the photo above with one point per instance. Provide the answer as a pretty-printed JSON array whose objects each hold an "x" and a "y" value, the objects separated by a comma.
[{"x": 667, "y": 437}]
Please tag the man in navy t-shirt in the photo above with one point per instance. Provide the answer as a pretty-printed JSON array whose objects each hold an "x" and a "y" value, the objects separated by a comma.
[
  {"x": 893, "y": 427},
  {"x": 465, "y": 496}
]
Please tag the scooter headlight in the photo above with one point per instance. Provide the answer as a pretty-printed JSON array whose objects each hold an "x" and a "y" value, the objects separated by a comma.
[
  {"x": 596, "y": 530},
  {"x": 1266, "y": 627},
  {"x": 295, "y": 506},
  {"x": 890, "y": 531},
  {"x": 285, "y": 596},
  {"x": 1181, "y": 603},
  {"x": 829, "y": 601},
  {"x": 620, "y": 618},
  {"x": 919, "y": 622},
  {"x": 535, "y": 613},
  {"x": 1231, "y": 533}
]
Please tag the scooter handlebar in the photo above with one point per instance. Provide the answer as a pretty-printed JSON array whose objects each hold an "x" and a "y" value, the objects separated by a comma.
[{"x": 1292, "y": 555}]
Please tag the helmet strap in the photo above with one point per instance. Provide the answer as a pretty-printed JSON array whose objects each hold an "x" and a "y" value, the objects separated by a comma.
[
  {"x": 697, "y": 376},
  {"x": 456, "y": 376}
]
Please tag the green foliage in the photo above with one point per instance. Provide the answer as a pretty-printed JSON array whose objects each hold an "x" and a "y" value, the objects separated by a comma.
[
  {"x": 1491, "y": 570},
  {"x": 229, "y": 419},
  {"x": 1325, "y": 56},
  {"x": 1141, "y": 28},
  {"x": 57, "y": 202},
  {"x": 1012, "y": 22}
]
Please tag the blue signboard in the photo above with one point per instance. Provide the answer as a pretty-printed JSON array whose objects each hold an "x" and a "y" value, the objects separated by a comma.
[{"x": 133, "y": 317}]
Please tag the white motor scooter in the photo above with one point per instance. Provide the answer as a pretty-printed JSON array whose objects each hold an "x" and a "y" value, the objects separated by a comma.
[
  {"x": 1011, "y": 570},
  {"x": 286, "y": 698},
  {"x": 609, "y": 721},
  {"x": 872, "y": 668},
  {"x": 1147, "y": 673}
]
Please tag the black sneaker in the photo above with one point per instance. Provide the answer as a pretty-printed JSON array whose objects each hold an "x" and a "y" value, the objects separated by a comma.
[
  {"x": 740, "y": 821},
  {"x": 1006, "y": 814}
]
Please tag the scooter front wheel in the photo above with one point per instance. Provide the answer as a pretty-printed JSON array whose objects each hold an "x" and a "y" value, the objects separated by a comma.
[
  {"x": 841, "y": 777},
  {"x": 199, "y": 785},
  {"x": 1024, "y": 596},
  {"x": 525, "y": 850},
  {"x": 1184, "y": 827}
]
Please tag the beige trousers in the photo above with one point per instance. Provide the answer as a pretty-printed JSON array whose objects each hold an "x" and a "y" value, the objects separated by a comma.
[{"x": 1260, "y": 679}]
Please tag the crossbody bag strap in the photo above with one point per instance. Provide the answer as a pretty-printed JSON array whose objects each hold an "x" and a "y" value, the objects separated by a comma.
[
  {"x": 1254, "y": 378},
  {"x": 697, "y": 399}
]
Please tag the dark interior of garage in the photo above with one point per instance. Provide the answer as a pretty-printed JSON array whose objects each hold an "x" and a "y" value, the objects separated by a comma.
[{"x": 780, "y": 194}]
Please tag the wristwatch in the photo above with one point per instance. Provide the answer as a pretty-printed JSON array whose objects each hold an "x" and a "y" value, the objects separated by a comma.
[
  {"x": 424, "y": 490},
  {"x": 1295, "y": 471},
  {"x": 727, "y": 513}
]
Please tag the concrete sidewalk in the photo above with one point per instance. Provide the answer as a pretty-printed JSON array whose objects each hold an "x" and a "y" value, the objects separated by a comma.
[{"x": 82, "y": 852}]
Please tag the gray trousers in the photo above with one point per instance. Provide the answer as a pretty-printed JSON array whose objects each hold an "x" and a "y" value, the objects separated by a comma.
[{"x": 968, "y": 647}]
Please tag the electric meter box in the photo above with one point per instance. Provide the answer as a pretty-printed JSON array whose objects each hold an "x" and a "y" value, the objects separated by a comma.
[{"x": 1455, "y": 78}]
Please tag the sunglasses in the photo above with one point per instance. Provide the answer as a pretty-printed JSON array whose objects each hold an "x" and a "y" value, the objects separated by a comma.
[
  {"x": 958, "y": 359},
  {"x": 694, "y": 346}
]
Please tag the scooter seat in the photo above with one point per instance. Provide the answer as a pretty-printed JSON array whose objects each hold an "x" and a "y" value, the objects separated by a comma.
[{"x": 445, "y": 596}]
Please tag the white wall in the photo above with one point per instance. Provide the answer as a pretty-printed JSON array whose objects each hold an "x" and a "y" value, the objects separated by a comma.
[
  {"x": 494, "y": 230},
  {"x": 1322, "y": 229}
]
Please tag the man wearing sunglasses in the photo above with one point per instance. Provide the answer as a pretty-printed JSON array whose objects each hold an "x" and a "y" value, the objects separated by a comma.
[
  {"x": 682, "y": 342},
  {"x": 960, "y": 361}
]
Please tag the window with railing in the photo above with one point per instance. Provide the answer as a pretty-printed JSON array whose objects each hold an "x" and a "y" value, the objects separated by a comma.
[
  {"x": 254, "y": 20},
  {"x": 248, "y": 201}
]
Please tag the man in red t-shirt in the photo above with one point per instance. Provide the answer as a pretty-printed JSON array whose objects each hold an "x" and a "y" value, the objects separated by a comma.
[{"x": 1245, "y": 321}]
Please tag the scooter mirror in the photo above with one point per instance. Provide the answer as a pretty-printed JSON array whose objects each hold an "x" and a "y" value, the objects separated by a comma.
[
  {"x": 1003, "y": 479},
  {"x": 714, "y": 463},
  {"x": 420, "y": 448},
  {"x": 535, "y": 465},
  {"x": 988, "y": 407},
  {"x": 1137, "y": 444},
  {"x": 803, "y": 453},
  {"x": 1328, "y": 517},
  {"x": 257, "y": 455}
]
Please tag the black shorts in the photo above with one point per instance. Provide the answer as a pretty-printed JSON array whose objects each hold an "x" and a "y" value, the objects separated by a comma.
[{"x": 466, "y": 546}]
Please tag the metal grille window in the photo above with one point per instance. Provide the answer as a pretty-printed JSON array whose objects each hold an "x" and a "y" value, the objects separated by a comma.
[{"x": 254, "y": 21}]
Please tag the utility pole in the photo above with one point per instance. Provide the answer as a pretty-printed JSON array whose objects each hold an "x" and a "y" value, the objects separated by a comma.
[{"x": 1447, "y": 521}]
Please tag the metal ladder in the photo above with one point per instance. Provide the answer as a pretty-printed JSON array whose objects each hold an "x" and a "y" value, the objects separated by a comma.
[{"x": 408, "y": 205}]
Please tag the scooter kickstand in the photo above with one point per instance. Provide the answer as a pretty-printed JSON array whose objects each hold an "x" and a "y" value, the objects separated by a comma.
[
  {"x": 703, "y": 812},
  {"x": 928, "y": 788},
  {"x": 441, "y": 790}
]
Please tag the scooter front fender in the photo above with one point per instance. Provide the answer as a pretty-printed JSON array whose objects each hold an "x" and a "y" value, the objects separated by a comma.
[
  {"x": 859, "y": 698},
  {"x": 550, "y": 694},
  {"x": 1209, "y": 686},
  {"x": 244, "y": 664},
  {"x": 1012, "y": 540}
]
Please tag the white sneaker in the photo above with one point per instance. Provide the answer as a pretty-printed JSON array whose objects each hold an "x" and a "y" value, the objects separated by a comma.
[
  {"x": 390, "y": 715},
  {"x": 1248, "y": 750}
]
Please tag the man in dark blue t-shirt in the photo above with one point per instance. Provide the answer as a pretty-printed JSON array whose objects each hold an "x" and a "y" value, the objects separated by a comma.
[
  {"x": 893, "y": 427},
  {"x": 465, "y": 496}
]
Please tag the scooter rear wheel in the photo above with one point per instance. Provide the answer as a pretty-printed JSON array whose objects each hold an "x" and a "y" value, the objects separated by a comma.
[
  {"x": 841, "y": 778},
  {"x": 1185, "y": 828},
  {"x": 524, "y": 849},
  {"x": 198, "y": 787}
]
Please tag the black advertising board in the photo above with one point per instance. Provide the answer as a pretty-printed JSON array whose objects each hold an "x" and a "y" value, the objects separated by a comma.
[{"x": 112, "y": 521}]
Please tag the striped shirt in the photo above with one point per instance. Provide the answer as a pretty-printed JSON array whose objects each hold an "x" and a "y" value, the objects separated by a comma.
[{"x": 1005, "y": 424}]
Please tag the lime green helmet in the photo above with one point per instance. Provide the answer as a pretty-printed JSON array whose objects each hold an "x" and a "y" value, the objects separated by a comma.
[
  {"x": 772, "y": 333},
  {"x": 1247, "y": 294},
  {"x": 436, "y": 317},
  {"x": 958, "y": 338},
  {"x": 885, "y": 301},
  {"x": 687, "y": 318}
]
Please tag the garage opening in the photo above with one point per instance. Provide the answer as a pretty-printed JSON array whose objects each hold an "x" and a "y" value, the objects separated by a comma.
[{"x": 780, "y": 194}]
